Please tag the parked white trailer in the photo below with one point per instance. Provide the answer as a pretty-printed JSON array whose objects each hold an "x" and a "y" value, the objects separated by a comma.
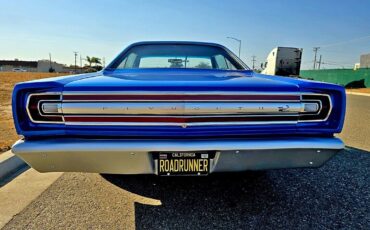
[{"x": 283, "y": 61}]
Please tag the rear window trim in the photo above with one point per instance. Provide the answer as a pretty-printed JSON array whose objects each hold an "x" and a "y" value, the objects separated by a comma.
[{"x": 237, "y": 62}]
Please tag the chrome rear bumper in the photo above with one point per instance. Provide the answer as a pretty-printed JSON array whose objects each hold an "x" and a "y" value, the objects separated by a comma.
[{"x": 134, "y": 156}]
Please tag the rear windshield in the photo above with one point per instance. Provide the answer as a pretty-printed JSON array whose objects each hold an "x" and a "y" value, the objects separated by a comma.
[{"x": 176, "y": 56}]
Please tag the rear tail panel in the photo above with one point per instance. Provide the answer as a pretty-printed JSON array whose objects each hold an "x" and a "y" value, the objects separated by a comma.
[{"x": 248, "y": 106}]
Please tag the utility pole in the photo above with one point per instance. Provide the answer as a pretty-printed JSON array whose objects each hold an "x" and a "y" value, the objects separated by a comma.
[
  {"x": 50, "y": 61},
  {"x": 238, "y": 40},
  {"x": 80, "y": 61},
  {"x": 75, "y": 60},
  {"x": 240, "y": 47},
  {"x": 253, "y": 61},
  {"x": 315, "y": 49},
  {"x": 320, "y": 61}
]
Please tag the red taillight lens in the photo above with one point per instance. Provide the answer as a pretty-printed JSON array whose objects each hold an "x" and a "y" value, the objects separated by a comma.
[
  {"x": 324, "y": 103},
  {"x": 43, "y": 108}
]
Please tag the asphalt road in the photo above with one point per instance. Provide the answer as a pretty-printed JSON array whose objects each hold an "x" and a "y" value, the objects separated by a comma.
[
  {"x": 336, "y": 195},
  {"x": 356, "y": 131}
]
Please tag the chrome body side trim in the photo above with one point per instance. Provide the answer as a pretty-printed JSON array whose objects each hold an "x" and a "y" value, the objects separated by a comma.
[
  {"x": 181, "y": 108},
  {"x": 106, "y": 108},
  {"x": 134, "y": 156},
  {"x": 177, "y": 92},
  {"x": 184, "y": 125}
]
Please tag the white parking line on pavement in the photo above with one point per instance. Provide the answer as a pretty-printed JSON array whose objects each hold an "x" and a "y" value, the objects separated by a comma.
[{"x": 20, "y": 192}]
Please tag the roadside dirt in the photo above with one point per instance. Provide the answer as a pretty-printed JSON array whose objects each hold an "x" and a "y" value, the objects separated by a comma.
[{"x": 8, "y": 134}]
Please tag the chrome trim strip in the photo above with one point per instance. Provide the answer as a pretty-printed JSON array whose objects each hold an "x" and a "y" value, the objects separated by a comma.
[
  {"x": 180, "y": 108},
  {"x": 184, "y": 125},
  {"x": 177, "y": 93},
  {"x": 188, "y": 100},
  {"x": 191, "y": 116}
]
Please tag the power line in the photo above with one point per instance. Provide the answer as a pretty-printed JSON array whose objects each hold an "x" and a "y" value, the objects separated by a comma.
[
  {"x": 345, "y": 42},
  {"x": 339, "y": 62}
]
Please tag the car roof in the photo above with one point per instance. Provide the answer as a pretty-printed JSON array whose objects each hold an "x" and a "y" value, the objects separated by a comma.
[
  {"x": 177, "y": 43},
  {"x": 240, "y": 62}
]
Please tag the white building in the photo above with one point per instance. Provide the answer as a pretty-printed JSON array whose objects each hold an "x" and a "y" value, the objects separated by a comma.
[
  {"x": 365, "y": 61},
  {"x": 32, "y": 66},
  {"x": 9, "y": 65},
  {"x": 45, "y": 65}
]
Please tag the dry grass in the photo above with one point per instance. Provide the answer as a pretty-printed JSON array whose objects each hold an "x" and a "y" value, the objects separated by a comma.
[{"x": 7, "y": 81}]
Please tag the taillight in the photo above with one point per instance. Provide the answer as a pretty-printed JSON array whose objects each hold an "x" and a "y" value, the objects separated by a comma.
[
  {"x": 44, "y": 108},
  {"x": 48, "y": 108},
  {"x": 312, "y": 100}
]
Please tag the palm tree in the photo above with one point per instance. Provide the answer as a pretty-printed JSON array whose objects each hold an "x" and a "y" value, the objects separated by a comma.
[
  {"x": 95, "y": 60},
  {"x": 89, "y": 60}
]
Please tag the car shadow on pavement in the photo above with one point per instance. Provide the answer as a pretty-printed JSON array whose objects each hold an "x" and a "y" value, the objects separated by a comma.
[
  {"x": 332, "y": 196},
  {"x": 191, "y": 201}
]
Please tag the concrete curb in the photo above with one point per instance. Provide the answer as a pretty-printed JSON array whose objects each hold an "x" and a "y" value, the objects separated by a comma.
[
  {"x": 358, "y": 94},
  {"x": 21, "y": 191},
  {"x": 10, "y": 164}
]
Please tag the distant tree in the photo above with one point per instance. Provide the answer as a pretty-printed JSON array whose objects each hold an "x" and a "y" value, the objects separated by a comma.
[
  {"x": 89, "y": 60},
  {"x": 176, "y": 63},
  {"x": 203, "y": 65},
  {"x": 98, "y": 68},
  {"x": 95, "y": 60},
  {"x": 94, "y": 64}
]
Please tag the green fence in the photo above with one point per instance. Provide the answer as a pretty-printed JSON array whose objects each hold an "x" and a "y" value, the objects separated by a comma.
[{"x": 346, "y": 77}]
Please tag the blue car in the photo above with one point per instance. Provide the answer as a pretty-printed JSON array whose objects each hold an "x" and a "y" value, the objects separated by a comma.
[{"x": 176, "y": 108}]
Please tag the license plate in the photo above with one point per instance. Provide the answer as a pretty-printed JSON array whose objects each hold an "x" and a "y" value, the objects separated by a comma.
[{"x": 183, "y": 163}]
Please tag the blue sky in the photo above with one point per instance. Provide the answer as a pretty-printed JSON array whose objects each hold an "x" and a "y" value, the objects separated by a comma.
[{"x": 29, "y": 30}]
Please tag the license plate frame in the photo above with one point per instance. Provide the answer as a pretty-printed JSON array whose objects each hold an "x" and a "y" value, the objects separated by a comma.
[{"x": 183, "y": 163}]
